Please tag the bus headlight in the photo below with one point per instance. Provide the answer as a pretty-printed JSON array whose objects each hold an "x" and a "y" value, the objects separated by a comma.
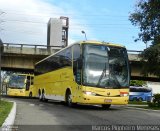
[
  {"x": 89, "y": 93},
  {"x": 124, "y": 94}
]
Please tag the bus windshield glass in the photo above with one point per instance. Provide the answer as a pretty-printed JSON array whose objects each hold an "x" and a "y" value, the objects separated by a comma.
[
  {"x": 105, "y": 66},
  {"x": 17, "y": 81}
]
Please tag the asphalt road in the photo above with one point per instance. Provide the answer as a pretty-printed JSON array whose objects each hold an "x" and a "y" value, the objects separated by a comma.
[{"x": 35, "y": 115}]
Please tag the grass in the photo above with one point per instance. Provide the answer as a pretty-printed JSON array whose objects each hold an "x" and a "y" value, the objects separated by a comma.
[
  {"x": 5, "y": 108},
  {"x": 137, "y": 102}
]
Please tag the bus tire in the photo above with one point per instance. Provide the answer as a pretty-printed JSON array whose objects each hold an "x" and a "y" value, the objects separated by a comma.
[
  {"x": 40, "y": 95},
  {"x": 43, "y": 97},
  {"x": 30, "y": 95},
  {"x": 69, "y": 98},
  {"x": 106, "y": 106}
]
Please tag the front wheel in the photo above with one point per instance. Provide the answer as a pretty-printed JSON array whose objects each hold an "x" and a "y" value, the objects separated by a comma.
[
  {"x": 69, "y": 99},
  {"x": 106, "y": 106},
  {"x": 30, "y": 95},
  {"x": 40, "y": 95},
  {"x": 44, "y": 98}
]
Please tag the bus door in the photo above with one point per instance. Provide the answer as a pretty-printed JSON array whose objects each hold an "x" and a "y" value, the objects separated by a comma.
[
  {"x": 77, "y": 70},
  {"x": 28, "y": 83}
]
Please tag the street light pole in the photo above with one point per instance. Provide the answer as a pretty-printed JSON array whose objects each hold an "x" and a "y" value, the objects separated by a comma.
[
  {"x": 1, "y": 49},
  {"x": 83, "y": 32}
]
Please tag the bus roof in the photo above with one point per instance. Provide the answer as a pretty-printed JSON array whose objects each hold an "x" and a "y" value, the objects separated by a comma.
[
  {"x": 85, "y": 42},
  {"x": 100, "y": 42}
]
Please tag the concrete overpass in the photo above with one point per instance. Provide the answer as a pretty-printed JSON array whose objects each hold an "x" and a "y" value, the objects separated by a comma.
[{"x": 22, "y": 57}]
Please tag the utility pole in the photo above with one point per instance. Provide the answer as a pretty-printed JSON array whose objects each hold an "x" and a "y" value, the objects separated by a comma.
[
  {"x": 1, "y": 20},
  {"x": 1, "y": 50}
]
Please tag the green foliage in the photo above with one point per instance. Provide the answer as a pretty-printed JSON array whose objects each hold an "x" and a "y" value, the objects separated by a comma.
[
  {"x": 136, "y": 83},
  {"x": 151, "y": 60},
  {"x": 147, "y": 18},
  {"x": 155, "y": 102}
]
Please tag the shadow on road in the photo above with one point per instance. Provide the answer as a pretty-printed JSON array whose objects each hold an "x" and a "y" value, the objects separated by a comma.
[
  {"x": 55, "y": 103},
  {"x": 83, "y": 107}
]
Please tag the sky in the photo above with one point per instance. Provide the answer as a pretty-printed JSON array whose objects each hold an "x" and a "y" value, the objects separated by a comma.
[{"x": 25, "y": 21}]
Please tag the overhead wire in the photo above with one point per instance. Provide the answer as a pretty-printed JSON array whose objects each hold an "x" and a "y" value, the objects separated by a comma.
[
  {"x": 101, "y": 26},
  {"x": 55, "y": 13},
  {"x": 74, "y": 24}
]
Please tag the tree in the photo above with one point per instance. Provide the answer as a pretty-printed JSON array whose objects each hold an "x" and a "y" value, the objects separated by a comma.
[
  {"x": 4, "y": 77},
  {"x": 147, "y": 18},
  {"x": 151, "y": 60},
  {"x": 137, "y": 83},
  {"x": 1, "y": 50}
]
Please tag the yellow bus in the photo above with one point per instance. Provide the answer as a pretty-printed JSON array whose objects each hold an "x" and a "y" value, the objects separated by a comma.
[
  {"x": 21, "y": 85},
  {"x": 87, "y": 72}
]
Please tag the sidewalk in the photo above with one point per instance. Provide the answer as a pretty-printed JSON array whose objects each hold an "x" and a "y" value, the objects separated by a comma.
[
  {"x": 138, "y": 107},
  {"x": 135, "y": 105}
]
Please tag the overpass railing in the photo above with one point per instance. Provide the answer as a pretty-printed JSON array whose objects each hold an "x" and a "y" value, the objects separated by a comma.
[
  {"x": 30, "y": 48},
  {"x": 134, "y": 55},
  {"x": 134, "y": 52}
]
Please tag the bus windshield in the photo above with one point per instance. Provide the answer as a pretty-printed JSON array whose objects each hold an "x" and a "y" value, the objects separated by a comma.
[
  {"x": 105, "y": 66},
  {"x": 17, "y": 81}
]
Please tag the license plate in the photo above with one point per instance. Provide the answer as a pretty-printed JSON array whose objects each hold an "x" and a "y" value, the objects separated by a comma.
[{"x": 107, "y": 100}]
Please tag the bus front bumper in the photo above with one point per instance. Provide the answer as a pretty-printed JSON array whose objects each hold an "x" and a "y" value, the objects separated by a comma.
[
  {"x": 16, "y": 93},
  {"x": 88, "y": 99}
]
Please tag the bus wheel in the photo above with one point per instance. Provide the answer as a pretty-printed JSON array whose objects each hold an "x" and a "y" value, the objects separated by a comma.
[
  {"x": 40, "y": 95},
  {"x": 69, "y": 99},
  {"x": 30, "y": 95},
  {"x": 106, "y": 106},
  {"x": 43, "y": 97}
]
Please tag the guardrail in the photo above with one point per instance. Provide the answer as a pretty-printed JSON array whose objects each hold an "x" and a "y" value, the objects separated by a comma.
[
  {"x": 134, "y": 51},
  {"x": 29, "y": 45},
  {"x": 30, "y": 48}
]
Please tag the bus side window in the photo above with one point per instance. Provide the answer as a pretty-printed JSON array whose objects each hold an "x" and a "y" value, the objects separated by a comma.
[
  {"x": 28, "y": 83},
  {"x": 32, "y": 80}
]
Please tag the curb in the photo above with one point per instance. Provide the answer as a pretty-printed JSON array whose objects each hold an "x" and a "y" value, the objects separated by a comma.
[
  {"x": 142, "y": 109},
  {"x": 8, "y": 123}
]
